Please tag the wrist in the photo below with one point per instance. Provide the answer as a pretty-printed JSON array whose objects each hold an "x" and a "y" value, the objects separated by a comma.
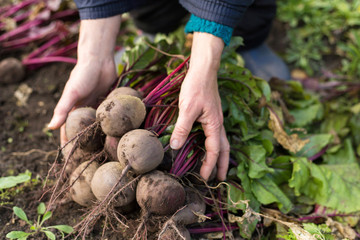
[{"x": 206, "y": 53}]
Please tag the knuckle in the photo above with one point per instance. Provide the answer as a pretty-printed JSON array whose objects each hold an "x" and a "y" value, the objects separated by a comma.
[
  {"x": 181, "y": 130},
  {"x": 185, "y": 107},
  {"x": 226, "y": 148}
]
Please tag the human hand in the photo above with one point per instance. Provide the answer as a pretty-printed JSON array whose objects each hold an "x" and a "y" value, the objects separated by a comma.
[
  {"x": 199, "y": 101},
  {"x": 94, "y": 72}
]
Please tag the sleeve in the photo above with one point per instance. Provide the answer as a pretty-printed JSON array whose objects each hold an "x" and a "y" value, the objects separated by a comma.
[
  {"x": 225, "y": 12},
  {"x": 93, "y": 9},
  {"x": 196, "y": 24}
]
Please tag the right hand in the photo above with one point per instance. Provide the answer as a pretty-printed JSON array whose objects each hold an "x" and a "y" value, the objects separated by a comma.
[{"x": 95, "y": 71}]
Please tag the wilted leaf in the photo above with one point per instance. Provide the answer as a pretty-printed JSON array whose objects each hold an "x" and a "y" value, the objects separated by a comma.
[
  {"x": 290, "y": 142},
  {"x": 344, "y": 230}
]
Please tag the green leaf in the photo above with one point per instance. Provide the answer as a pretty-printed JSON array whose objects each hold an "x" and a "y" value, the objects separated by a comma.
[
  {"x": 45, "y": 217},
  {"x": 242, "y": 174},
  {"x": 268, "y": 146},
  {"x": 321, "y": 231},
  {"x": 335, "y": 122},
  {"x": 49, "y": 235},
  {"x": 41, "y": 208},
  {"x": 247, "y": 227},
  {"x": 300, "y": 175},
  {"x": 21, "y": 214},
  {"x": 336, "y": 186},
  {"x": 266, "y": 192},
  {"x": 265, "y": 88},
  {"x": 317, "y": 142},
  {"x": 17, "y": 234},
  {"x": 345, "y": 154},
  {"x": 63, "y": 228},
  {"x": 11, "y": 181},
  {"x": 282, "y": 169},
  {"x": 235, "y": 198},
  {"x": 256, "y": 157},
  {"x": 306, "y": 115}
]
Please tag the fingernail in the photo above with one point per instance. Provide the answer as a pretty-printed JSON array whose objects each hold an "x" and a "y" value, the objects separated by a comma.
[
  {"x": 51, "y": 124},
  {"x": 174, "y": 144}
]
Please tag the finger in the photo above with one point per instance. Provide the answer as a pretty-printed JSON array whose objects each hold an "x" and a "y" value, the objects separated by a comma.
[
  {"x": 223, "y": 161},
  {"x": 65, "y": 104},
  {"x": 183, "y": 127},
  {"x": 212, "y": 145},
  {"x": 63, "y": 137}
]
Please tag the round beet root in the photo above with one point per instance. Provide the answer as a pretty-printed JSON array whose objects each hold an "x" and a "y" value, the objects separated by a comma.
[
  {"x": 120, "y": 114},
  {"x": 141, "y": 149},
  {"x": 11, "y": 71},
  {"x": 76, "y": 158},
  {"x": 159, "y": 193},
  {"x": 194, "y": 204},
  {"x": 110, "y": 147},
  {"x": 106, "y": 177},
  {"x": 80, "y": 191},
  {"x": 171, "y": 234},
  {"x": 78, "y": 120},
  {"x": 124, "y": 91}
]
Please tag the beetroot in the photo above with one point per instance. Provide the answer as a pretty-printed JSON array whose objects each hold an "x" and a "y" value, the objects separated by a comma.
[
  {"x": 124, "y": 91},
  {"x": 78, "y": 120},
  {"x": 159, "y": 193},
  {"x": 141, "y": 149},
  {"x": 80, "y": 179},
  {"x": 11, "y": 71},
  {"x": 120, "y": 114},
  {"x": 105, "y": 179}
]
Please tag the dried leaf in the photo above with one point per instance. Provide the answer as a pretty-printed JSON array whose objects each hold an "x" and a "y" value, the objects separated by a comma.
[
  {"x": 22, "y": 94},
  {"x": 9, "y": 24},
  {"x": 344, "y": 230},
  {"x": 218, "y": 235},
  {"x": 298, "y": 74},
  {"x": 290, "y": 142}
]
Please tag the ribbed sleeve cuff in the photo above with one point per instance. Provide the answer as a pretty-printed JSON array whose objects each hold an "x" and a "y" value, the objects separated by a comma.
[{"x": 196, "y": 24}]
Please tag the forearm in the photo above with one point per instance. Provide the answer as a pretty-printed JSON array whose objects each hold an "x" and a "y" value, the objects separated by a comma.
[{"x": 97, "y": 39}]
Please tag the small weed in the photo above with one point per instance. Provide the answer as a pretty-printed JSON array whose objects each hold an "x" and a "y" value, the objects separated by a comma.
[{"x": 37, "y": 226}]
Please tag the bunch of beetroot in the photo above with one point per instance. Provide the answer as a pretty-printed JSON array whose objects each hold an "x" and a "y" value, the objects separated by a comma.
[{"x": 118, "y": 157}]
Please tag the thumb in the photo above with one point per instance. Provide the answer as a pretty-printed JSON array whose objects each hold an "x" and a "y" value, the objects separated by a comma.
[
  {"x": 182, "y": 129},
  {"x": 63, "y": 107}
]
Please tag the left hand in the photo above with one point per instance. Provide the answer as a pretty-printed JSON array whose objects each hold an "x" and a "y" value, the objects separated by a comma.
[{"x": 200, "y": 101}]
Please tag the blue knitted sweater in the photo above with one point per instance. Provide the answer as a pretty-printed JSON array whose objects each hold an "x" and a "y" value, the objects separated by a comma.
[{"x": 217, "y": 17}]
